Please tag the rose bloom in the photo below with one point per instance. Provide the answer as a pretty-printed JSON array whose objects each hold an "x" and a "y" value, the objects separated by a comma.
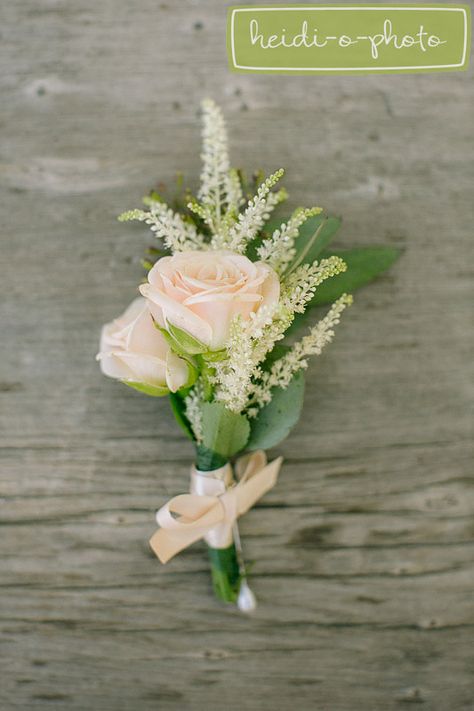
[
  {"x": 132, "y": 349},
  {"x": 201, "y": 292}
]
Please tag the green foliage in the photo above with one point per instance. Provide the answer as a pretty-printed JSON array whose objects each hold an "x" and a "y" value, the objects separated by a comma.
[
  {"x": 275, "y": 421},
  {"x": 207, "y": 460},
  {"x": 225, "y": 432},
  {"x": 225, "y": 572},
  {"x": 364, "y": 264},
  {"x": 322, "y": 229},
  {"x": 325, "y": 227}
]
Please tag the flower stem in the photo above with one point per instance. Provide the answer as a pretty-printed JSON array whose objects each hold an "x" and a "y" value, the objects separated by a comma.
[
  {"x": 225, "y": 573},
  {"x": 225, "y": 567}
]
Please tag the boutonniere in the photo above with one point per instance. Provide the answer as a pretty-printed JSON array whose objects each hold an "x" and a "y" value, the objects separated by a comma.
[{"x": 215, "y": 330}]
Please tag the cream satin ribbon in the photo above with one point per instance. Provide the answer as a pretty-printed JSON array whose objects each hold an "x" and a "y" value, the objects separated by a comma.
[{"x": 210, "y": 511}]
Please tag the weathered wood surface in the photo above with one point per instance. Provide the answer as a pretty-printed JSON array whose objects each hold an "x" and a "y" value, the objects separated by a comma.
[{"x": 363, "y": 553}]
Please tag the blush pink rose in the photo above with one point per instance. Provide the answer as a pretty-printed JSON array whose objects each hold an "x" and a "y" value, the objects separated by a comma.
[
  {"x": 201, "y": 292},
  {"x": 132, "y": 349}
]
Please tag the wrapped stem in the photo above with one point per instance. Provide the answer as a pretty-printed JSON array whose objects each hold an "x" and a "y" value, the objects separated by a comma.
[
  {"x": 225, "y": 572},
  {"x": 225, "y": 568}
]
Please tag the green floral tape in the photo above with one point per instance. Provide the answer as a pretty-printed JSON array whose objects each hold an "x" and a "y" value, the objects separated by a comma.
[
  {"x": 347, "y": 39},
  {"x": 225, "y": 573}
]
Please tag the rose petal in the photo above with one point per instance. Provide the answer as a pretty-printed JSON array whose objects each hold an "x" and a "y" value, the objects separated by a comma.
[
  {"x": 145, "y": 338},
  {"x": 202, "y": 291},
  {"x": 144, "y": 368},
  {"x": 271, "y": 286},
  {"x": 165, "y": 309},
  {"x": 177, "y": 372},
  {"x": 113, "y": 367}
]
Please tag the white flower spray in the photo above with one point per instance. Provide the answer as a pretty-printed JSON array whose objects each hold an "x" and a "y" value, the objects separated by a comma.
[
  {"x": 169, "y": 226},
  {"x": 283, "y": 369},
  {"x": 279, "y": 250},
  {"x": 237, "y": 379},
  {"x": 193, "y": 409}
]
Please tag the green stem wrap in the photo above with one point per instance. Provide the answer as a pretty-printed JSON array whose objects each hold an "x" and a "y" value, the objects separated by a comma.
[{"x": 225, "y": 569}]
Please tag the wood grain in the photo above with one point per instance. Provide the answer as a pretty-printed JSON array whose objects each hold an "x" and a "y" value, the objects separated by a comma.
[{"x": 363, "y": 553}]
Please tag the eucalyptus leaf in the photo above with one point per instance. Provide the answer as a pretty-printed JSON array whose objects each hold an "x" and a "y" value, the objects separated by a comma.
[
  {"x": 207, "y": 460},
  {"x": 325, "y": 227},
  {"x": 224, "y": 432},
  {"x": 364, "y": 264},
  {"x": 275, "y": 421},
  {"x": 153, "y": 390}
]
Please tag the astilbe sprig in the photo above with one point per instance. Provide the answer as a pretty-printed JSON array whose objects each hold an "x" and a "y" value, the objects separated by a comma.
[
  {"x": 257, "y": 212},
  {"x": 176, "y": 234},
  {"x": 300, "y": 285},
  {"x": 251, "y": 341},
  {"x": 193, "y": 409},
  {"x": 233, "y": 374},
  {"x": 219, "y": 203},
  {"x": 284, "y": 368},
  {"x": 220, "y": 192},
  {"x": 279, "y": 250}
]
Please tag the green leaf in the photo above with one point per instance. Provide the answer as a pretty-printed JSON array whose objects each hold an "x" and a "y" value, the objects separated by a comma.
[
  {"x": 275, "y": 420},
  {"x": 326, "y": 227},
  {"x": 153, "y": 390},
  {"x": 183, "y": 342},
  {"x": 207, "y": 460},
  {"x": 364, "y": 264},
  {"x": 277, "y": 352},
  {"x": 266, "y": 232},
  {"x": 178, "y": 408},
  {"x": 225, "y": 432}
]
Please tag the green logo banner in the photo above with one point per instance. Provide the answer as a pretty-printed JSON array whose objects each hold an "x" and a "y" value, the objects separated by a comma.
[{"x": 348, "y": 39}]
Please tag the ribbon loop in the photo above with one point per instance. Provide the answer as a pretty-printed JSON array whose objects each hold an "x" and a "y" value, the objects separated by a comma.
[{"x": 203, "y": 515}]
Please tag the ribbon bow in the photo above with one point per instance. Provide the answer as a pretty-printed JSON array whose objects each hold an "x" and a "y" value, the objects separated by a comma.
[{"x": 189, "y": 517}]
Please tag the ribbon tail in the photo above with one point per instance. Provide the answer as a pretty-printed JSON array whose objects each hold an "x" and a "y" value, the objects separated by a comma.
[
  {"x": 165, "y": 545},
  {"x": 251, "y": 490}
]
